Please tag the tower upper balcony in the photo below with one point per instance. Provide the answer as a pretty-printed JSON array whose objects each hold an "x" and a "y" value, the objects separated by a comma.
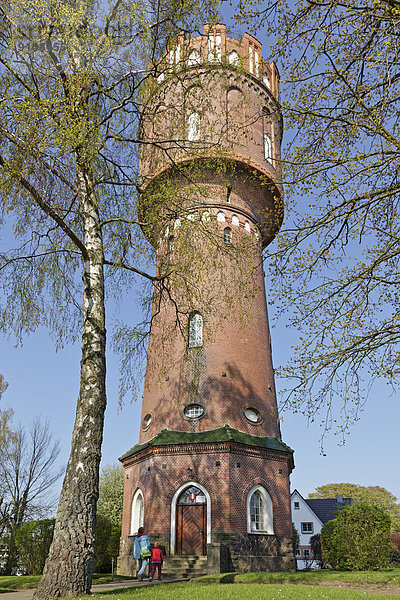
[{"x": 212, "y": 101}]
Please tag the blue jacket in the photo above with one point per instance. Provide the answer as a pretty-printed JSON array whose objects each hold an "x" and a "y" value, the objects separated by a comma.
[{"x": 141, "y": 543}]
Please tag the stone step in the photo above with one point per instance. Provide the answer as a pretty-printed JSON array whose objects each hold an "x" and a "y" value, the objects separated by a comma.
[{"x": 185, "y": 567}]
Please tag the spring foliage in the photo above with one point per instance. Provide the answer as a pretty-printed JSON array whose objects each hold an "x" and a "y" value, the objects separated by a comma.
[
  {"x": 337, "y": 260},
  {"x": 358, "y": 538}
]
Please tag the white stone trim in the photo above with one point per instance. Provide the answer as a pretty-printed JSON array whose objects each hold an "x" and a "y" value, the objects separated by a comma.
[
  {"x": 173, "y": 512},
  {"x": 135, "y": 518}
]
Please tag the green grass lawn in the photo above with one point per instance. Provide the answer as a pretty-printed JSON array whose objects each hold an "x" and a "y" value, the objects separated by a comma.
[
  {"x": 387, "y": 576},
  {"x": 8, "y": 583},
  {"x": 231, "y": 591}
]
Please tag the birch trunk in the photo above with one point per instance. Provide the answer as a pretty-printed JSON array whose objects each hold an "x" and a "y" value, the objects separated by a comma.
[{"x": 70, "y": 563}]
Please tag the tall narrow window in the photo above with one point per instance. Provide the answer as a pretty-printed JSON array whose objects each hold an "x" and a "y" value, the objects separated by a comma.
[
  {"x": 259, "y": 511},
  {"x": 256, "y": 63},
  {"x": 251, "y": 59},
  {"x": 214, "y": 48},
  {"x": 227, "y": 235},
  {"x": 267, "y": 148},
  {"x": 194, "y": 127},
  {"x": 195, "y": 331},
  {"x": 137, "y": 514},
  {"x": 256, "y": 512},
  {"x": 235, "y": 115}
]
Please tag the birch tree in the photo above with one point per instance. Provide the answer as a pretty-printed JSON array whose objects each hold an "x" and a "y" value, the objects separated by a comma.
[
  {"x": 336, "y": 265},
  {"x": 70, "y": 80}
]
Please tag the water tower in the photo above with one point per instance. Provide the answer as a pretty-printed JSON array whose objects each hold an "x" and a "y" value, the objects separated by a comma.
[{"x": 209, "y": 476}]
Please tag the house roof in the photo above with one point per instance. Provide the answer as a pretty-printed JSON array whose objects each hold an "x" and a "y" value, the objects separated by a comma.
[
  {"x": 226, "y": 433},
  {"x": 326, "y": 508}
]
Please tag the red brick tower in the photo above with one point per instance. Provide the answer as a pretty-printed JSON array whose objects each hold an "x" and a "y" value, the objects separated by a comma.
[{"x": 210, "y": 474}]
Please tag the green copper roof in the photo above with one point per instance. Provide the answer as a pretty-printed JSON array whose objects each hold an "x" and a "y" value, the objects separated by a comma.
[{"x": 222, "y": 434}]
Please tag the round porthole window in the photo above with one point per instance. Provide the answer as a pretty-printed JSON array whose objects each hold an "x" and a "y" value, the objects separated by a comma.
[
  {"x": 193, "y": 411},
  {"x": 252, "y": 415},
  {"x": 147, "y": 421}
]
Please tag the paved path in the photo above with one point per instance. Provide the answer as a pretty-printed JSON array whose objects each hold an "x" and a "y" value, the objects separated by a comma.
[{"x": 102, "y": 587}]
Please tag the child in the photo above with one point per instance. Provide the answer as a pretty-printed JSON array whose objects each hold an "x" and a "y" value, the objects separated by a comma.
[{"x": 156, "y": 561}]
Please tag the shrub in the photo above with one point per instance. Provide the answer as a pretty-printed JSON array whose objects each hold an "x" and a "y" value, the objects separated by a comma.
[
  {"x": 358, "y": 538},
  {"x": 33, "y": 541},
  {"x": 107, "y": 543}
]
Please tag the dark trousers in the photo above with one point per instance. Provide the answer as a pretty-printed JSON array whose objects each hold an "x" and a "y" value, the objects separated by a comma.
[{"x": 153, "y": 569}]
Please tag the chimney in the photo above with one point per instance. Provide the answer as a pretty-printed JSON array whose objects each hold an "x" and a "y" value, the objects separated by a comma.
[{"x": 339, "y": 498}]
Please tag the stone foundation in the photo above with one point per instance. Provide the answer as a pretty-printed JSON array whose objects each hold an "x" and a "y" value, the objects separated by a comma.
[
  {"x": 227, "y": 553},
  {"x": 245, "y": 552}
]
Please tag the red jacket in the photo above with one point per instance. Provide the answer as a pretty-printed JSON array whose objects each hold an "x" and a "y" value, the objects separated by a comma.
[{"x": 156, "y": 555}]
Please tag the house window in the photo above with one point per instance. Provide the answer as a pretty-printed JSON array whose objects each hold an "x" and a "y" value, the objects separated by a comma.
[
  {"x": 235, "y": 221},
  {"x": 298, "y": 552},
  {"x": 297, "y": 506},
  {"x": 307, "y": 528},
  {"x": 171, "y": 243},
  {"x": 221, "y": 217},
  {"x": 259, "y": 511},
  {"x": 194, "y": 127},
  {"x": 227, "y": 236},
  {"x": 306, "y": 553},
  {"x": 247, "y": 226},
  {"x": 195, "y": 331},
  {"x": 194, "y": 58},
  {"x": 256, "y": 63}
]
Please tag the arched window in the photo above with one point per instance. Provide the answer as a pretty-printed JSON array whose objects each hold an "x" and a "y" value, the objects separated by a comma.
[
  {"x": 235, "y": 221},
  {"x": 266, "y": 116},
  {"x": 137, "y": 514},
  {"x": 235, "y": 115},
  {"x": 194, "y": 58},
  {"x": 233, "y": 58},
  {"x": 194, "y": 127},
  {"x": 221, "y": 217},
  {"x": 266, "y": 81},
  {"x": 195, "y": 338},
  {"x": 171, "y": 243},
  {"x": 227, "y": 236},
  {"x": 247, "y": 226},
  {"x": 259, "y": 511},
  {"x": 267, "y": 148}
]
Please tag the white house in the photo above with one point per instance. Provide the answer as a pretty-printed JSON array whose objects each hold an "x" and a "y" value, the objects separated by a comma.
[{"x": 308, "y": 516}]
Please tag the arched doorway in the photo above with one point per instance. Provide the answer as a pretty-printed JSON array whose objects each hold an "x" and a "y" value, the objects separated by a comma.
[{"x": 191, "y": 521}]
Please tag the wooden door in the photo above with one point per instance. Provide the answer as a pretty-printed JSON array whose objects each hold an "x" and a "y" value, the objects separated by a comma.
[{"x": 191, "y": 529}]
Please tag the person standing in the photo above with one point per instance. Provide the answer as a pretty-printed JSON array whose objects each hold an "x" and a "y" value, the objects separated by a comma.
[
  {"x": 141, "y": 551},
  {"x": 157, "y": 560}
]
